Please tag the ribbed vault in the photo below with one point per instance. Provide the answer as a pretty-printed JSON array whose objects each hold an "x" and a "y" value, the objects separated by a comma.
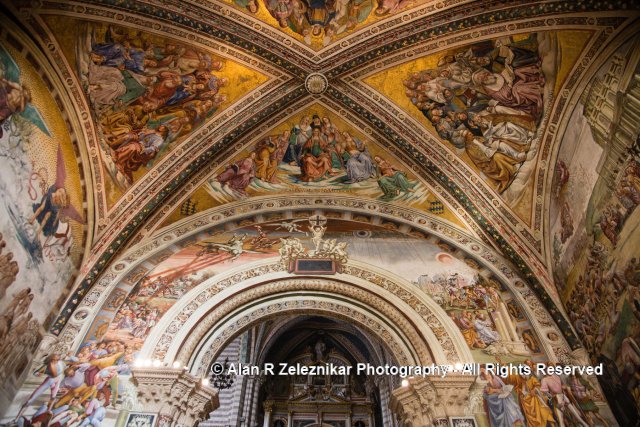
[{"x": 244, "y": 81}]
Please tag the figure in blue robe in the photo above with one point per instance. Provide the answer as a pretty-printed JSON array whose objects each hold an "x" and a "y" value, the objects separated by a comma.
[{"x": 359, "y": 166}]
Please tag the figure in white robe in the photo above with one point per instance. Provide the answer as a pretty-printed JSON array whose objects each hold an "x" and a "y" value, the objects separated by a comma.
[{"x": 483, "y": 325}]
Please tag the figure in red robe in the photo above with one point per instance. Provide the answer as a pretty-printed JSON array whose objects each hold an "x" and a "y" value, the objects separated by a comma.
[{"x": 239, "y": 175}]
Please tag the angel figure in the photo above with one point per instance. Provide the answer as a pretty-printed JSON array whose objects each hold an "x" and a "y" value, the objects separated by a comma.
[
  {"x": 55, "y": 206},
  {"x": 233, "y": 247},
  {"x": 340, "y": 252},
  {"x": 291, "y": 248},
  {"x": 15, "y": 98},
  {"x": 317, "y": 232},
  {"x": 334, "y": 249},
  {"x": 291, "y": 227}
]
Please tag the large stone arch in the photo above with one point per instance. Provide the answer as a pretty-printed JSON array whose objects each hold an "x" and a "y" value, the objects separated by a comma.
[
  {"x": 307, "y": 303},
  {"x": 549, "y": 327},
  {"x": 186, "y": 326}
]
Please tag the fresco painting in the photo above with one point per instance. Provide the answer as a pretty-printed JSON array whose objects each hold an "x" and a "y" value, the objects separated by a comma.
[
  {"x": 97, "y": 376},
  {"x": 477, "y": 304},
  {"x": 490, "y": 320},
  {"x": 148, "y": 93},
  {"x": 488, "y": 102},
  {"x": 527, "y": 400},
  {"x": 595, "y": 254},
  {"x": 318, "y": 23},
  {"x": 314, "y": 151},
  {"x": 98, "y": 372},
  {"x": 486, "y": 95},
  {"x": 154, "y": 294},
  {"x": 41, "y": 213}
]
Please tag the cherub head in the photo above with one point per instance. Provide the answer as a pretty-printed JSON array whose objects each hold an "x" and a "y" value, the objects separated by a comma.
[
  {"x": 252, "y": 6},
  {"x": 17, "y": 99}
]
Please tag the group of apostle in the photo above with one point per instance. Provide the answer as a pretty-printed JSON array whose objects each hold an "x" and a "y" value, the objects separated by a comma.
[
  {"x": 487, "y": 101},
  {"x": 321, "y": 151},
  {"x": 148, "y": 95},
  {"x": 323, "y": 18},
  {"x": 539, "y": 400}
]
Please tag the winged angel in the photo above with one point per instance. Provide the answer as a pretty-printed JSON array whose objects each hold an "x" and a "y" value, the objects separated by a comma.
[
  {"x": 233, "y": 247},
  {"x": 47, "y": 231},
  {"x": 15, "y": 98}
]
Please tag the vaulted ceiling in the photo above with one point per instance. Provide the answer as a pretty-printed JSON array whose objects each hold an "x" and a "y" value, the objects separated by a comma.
[{"x": 278, "y": 68}]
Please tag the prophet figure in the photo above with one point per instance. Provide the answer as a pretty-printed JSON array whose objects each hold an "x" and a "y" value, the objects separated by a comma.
[
  {"x": 359, "y": 166},
  {"x": 495, "y": 164},
  {"x": 239, "y": 175},
  {"x": 502, "y": 409},
  {"x": 533, "y": 403},
  {"x": 141, "y": 148},
  {"x": 266, "y": 162},
  {"x": 392, "y": 181},
  {"x": 468, "y": 330},
  {"x": 485, "y": 330},
  {"x": 580, "y": 389},
  {"x": 520, "y": 91},
  {"x": 390, "y": 6},
  {"x": 300, "y": 134}
]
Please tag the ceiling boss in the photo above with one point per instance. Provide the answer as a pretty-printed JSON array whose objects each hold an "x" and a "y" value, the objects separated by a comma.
[{"x": 316, "y": 83}]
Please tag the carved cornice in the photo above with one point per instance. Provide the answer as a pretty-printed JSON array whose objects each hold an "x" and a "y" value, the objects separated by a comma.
[{"x": 422, "y": 400}]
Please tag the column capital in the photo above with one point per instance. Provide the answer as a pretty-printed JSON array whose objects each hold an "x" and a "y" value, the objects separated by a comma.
[
  {"x": 174, "y": 394},
  {"x": 268, "y": 405},
  {"x": 424, "y": 400}
]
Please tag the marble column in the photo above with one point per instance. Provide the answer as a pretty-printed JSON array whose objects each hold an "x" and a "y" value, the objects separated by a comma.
[{"x": 268, "y": 406}]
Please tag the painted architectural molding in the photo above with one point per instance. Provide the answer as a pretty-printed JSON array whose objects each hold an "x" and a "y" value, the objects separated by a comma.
[{"x": 169, "y": 239}]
